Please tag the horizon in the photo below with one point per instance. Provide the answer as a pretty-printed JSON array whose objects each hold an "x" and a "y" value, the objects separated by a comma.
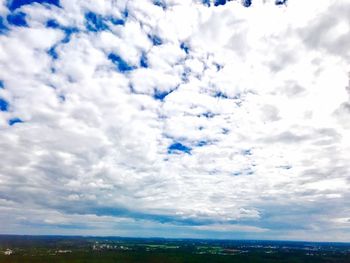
[
  {"x": 199, "y": 119},
  {"x": 179, "y": 239}
]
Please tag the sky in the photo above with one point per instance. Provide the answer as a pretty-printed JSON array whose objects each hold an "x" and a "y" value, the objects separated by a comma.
[{"x": 175, "y": 118}]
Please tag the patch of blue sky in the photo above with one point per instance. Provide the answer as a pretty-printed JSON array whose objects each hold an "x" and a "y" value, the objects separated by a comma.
[
  {"x": 220, "y": 94},
  {"x": 156, "y": 41},
  {"x": 3, "y": 27},
  {"x": 160, "y": 3},
  {"x": 2, "y": 86},
  {"x": 208, "y": 115},
  {"x": 291, "y": 225},
  {"x": 4, "y": 105},
  {"x": 125, "y": 13},
  {"x": 185, "y": 47},
  {"x": 52, "y": 23},
  {"x": 160, "y": 95},
  {"x": 14, "y": 4},
  {"x": 144, "y": 60},
  {"x": 117, "y": 21},
  {"x": 219, "y": 2},
  {"x": 53, "y": 53},
  {"x": 178, "y": 220},
  {"x": 247, "y": 3},
  {"x": 121, "y": 64},
  {"x": 218, "y": 66},
  {"x": 59, "y": 226},
  {"x": 115, "y": 211},
  {"x": 177, "y": 147},
  {"x": 281, "y": 2},
  {"x": 13, "y": 121},
  {"x": 95, "y": 22},
  {"x": 17, "y": 19},
  {"x": 102, "y": 211},
  {"x": 72, "y": 226},
  {"x": 206, "y": 2},
  {"x": 202, "y": 143},
  {"x": 68, "y": 31}
]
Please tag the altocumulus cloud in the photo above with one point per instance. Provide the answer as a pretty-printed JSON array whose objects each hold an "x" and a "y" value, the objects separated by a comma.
[{"x": 175, "y": 118}]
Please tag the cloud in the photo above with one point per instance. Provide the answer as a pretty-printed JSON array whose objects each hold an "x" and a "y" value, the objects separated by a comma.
[
  {"x": 232, "y": 228},
  {"x": 175, "y": 118}
]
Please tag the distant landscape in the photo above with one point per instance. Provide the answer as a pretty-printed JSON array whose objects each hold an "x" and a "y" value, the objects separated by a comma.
[{"x": 35, "y": 249}]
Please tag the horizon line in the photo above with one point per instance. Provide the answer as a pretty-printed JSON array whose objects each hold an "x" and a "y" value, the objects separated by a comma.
[{"x": 176, "y": 238}]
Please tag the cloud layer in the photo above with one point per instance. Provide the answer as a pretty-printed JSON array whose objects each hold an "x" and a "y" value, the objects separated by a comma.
[{"x": 175, "y": 118}]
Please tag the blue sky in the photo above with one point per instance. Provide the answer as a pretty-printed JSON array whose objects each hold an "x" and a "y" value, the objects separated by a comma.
[{"x": 175, "y": 118}]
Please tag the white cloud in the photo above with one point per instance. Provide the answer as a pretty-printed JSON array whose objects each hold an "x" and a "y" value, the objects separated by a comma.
[{"x": 257, "y": 102}]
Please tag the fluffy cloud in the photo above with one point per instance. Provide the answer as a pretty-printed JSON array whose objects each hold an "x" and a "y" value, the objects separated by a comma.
[{"x": 175, "y": 118}]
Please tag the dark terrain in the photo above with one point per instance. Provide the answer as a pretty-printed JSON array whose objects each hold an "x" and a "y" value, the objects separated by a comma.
[{"x": 41, "y": 249}]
